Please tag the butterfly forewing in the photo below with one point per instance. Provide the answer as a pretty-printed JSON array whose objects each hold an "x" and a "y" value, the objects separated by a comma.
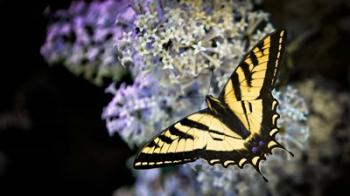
[
  {"x": 256, "y": 74},
  {"x": 198, "y": 135},
  {"x": 248, "y": 91}
]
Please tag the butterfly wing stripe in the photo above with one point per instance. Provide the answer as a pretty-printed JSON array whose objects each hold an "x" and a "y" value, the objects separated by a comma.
[
  {"x": 208, "y": 128},
  {"x": 194, "y": 124},
  {"x": 165, "y": 147},
  {"x": 245, "y": 114},
  {"x": 254, "y": 58},
  {"x": 251, "y": 81},
  {"x": 165, "y": 139},
  {"x": 185, "y": 142},
  {"x": 160, "y": 144},
  {"x": 174, "y": 131},
  {"x": 152, "y": 144},
  {"x": 271, "y": 64},
  {"x": 181, "y": 143},
  {"x": 236, "y": 88},
  {"x": 200, "y": 127},
  {"x": 198, "y": 142},
  {"x": 247, "y": 74}
]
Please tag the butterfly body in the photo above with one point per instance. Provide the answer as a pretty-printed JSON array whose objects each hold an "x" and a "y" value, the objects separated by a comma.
[{"x": 237, "y": 128}]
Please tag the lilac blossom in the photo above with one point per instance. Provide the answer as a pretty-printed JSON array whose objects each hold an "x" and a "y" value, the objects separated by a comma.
[
  {"x": 84, "y": 37},
  {"x": 133, "y": 111}
]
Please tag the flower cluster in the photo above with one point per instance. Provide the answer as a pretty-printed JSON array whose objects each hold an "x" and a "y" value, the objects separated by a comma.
[
  {"x": 186, "y": 39},
  {"x": 134, "y": 111},
  {"x": 83, "y": 38},
  {"x": 294, "y": 115},
  {"x": 157, "y": 182}
]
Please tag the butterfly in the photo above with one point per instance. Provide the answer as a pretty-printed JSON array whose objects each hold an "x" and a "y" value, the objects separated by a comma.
[{"x": 237, "y": 128}]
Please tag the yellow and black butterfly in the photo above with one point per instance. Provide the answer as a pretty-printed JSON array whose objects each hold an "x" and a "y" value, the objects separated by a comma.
[{"x": 237, "y": 128}]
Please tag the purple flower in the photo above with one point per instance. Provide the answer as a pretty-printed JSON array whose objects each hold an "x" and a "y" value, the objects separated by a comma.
[
  {"x": 86, "y": 34},
  {"x": 131, "y": 107}
]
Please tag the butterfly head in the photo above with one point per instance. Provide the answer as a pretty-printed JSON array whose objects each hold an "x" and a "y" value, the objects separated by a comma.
[{"x": 213, "y": 103}]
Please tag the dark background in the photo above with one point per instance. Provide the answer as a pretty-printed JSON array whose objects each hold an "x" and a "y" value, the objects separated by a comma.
[{"x": 66, "y": 149}]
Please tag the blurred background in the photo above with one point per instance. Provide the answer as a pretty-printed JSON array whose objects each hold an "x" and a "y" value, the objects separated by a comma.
[{"x": 54, "y": 142}]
